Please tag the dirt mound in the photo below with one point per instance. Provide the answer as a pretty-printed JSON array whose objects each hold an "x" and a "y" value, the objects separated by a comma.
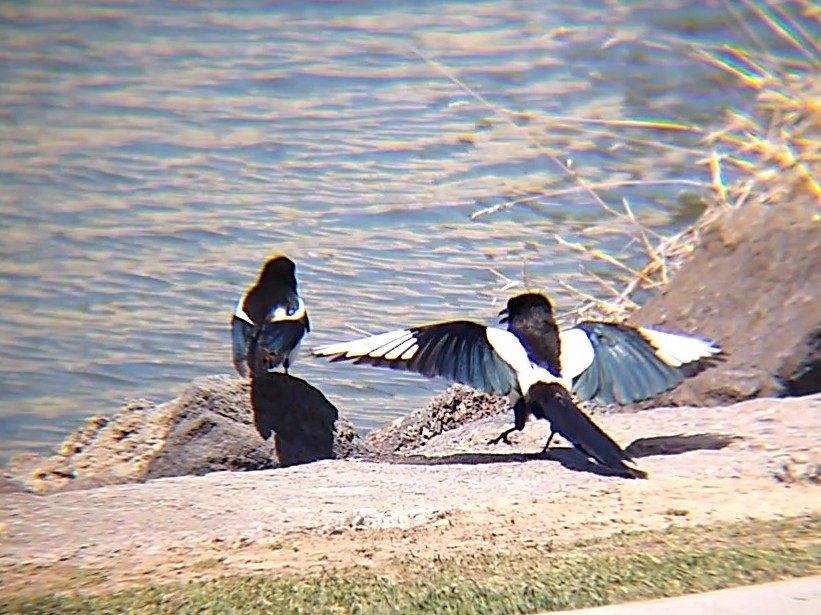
[
  {"x": 754, "y": 286},
  {"x": 457, "y": 406},
  {"x": 218, "y": 423}
]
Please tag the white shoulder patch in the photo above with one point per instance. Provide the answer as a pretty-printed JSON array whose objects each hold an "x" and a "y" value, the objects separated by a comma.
[
  {"x": 577, "y": 352},
  {"x": 399, "y": 344},
  {"x": 281, "y": 314},
  {"x": 240, "y": 313},
  {"x": 677, "y": 350},
  {"x": 511, "y": 350}
]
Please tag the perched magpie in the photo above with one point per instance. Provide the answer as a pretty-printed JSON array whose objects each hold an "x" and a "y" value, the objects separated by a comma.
[
  {"x": 269, "y": 321},
  {"x": 538, "y": 366}
]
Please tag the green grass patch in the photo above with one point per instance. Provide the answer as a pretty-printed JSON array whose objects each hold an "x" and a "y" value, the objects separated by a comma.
[{"x": 624, "y": 567}]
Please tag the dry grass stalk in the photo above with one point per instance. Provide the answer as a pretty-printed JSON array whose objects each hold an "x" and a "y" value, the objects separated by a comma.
[{"x": 775, "y": 151}]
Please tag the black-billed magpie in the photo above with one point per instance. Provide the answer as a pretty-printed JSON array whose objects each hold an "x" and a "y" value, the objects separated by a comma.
[
  {"x": 269, "y": 320},
  {"x": 538, "y": 366}
]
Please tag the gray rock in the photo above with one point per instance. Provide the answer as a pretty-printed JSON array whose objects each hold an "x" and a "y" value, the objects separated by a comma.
[
  {"x": 212, "y": 429},
  {"x": 457, "y": 406},
  {"x": 805, "y": 377},
  {"x": 218, "y": 423}
]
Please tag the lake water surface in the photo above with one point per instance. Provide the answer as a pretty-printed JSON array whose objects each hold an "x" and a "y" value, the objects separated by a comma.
[{"x": 153, "y": 154}]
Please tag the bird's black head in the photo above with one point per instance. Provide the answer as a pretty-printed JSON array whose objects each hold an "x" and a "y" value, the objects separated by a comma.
[
  {"x": 276, "y": 287},
  {"x": 525, "y": 305},
  {"x": 279, "y": 270},
  {"x": 530, "y": 318}
]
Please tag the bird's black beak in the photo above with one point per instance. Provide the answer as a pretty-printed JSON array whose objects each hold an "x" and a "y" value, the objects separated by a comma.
[{"x": 503, "y": 315}]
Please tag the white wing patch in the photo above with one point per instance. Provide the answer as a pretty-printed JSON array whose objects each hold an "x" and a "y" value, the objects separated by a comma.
[
  {"x": 281, "y": 313},
  {"x": 403, "y": 345},
  {"x": 677, "y": 350},
  {"x": 399, "y": 344},
  {"x": 240, "y": 313},
  {"x": 408, "y": 346},
  {"x": 577, "y": 352},
  {"x": 511, "y": 350}
]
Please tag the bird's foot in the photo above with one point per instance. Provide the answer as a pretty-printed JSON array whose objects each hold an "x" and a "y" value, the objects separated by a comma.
[{"x": 502, "y": 437}]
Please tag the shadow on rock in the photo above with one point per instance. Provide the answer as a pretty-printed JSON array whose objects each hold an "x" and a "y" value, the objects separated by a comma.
[
  {"x": 303, "y": 421},
  {"x": 680, "y": 443},
  {"x": 210, "y": 427}
]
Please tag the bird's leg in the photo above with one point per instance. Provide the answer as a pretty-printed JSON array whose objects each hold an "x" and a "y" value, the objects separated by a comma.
[
  {"x": 520, "y": 414},
  {"x": 255, "y": 362},
  {"x": 286, "y": 364},
  {"x": 549, "y": 439},
  {"x": 503, "y": 437}
]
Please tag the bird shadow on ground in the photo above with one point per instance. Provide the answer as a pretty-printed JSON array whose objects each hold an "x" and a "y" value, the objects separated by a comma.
[
  {"x": 570, "y": 458},
  {"x": 679, "y": 443},
  {"x": 298, "y": 414},
  {"x": 575, "y": 460}
]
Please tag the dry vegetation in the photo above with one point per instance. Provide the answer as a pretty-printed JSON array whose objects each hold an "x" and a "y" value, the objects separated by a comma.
[{"x": 773, "y": 153}]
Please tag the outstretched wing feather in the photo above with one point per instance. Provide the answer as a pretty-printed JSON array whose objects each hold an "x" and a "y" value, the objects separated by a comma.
[
  {"x": 625, "y": 367},
  {"x": 457, "y": 350}
]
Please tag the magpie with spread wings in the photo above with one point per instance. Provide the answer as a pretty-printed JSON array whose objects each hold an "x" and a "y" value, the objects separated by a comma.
[{"x": 539, "y": 366}]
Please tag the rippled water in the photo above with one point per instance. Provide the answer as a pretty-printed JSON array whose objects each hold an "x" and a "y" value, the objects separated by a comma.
[{"x": 152, "y": 155}]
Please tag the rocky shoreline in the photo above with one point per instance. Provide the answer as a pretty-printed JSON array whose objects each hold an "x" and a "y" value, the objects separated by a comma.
[
  {"x": 231, "y": 470},
  {"x": 754, "y": 286}
]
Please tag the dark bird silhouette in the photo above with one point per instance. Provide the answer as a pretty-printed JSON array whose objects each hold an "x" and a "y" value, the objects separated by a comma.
[
  {"x": 269, "y": 320},
  {"x": 526, "y": 362}
]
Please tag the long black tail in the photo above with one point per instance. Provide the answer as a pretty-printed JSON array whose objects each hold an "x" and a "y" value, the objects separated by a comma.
[{"x": 553, "y": 403}]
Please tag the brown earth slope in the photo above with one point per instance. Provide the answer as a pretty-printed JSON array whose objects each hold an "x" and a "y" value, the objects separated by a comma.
[{"x": 754, "y": 286}]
